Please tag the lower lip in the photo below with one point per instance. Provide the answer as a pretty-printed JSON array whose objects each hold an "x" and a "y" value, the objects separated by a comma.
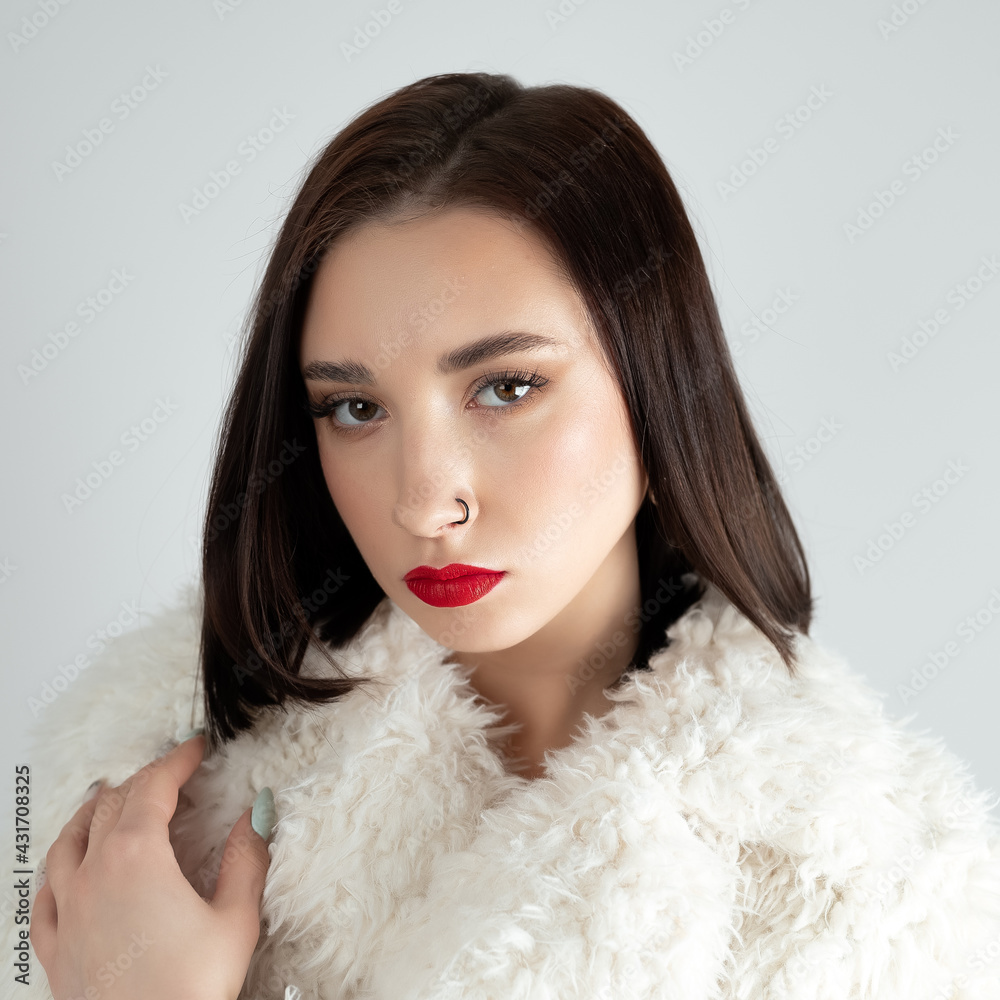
[{"x": 454, "y": 593}]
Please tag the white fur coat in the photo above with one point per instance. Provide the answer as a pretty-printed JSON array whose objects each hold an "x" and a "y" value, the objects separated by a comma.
[{"x": 723, "y": 831}]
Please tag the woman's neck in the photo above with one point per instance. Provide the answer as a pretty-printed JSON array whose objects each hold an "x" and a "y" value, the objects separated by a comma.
[{"x": 548, "y": 682}]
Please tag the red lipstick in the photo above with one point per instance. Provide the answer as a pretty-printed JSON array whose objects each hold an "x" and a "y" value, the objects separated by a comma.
[{"x": 452, "y": 585}]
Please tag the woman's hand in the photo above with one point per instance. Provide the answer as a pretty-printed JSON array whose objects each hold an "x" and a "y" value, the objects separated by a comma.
[{"x": 117, "y": 912}]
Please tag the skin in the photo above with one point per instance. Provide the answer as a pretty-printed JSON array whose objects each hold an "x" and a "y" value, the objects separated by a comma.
[
  {"x": 115, "y": 894},
  {"x": 563, "y": 461},
  {"x": 395, "y": 296}
]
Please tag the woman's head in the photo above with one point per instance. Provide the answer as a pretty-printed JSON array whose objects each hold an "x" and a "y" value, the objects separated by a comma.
[
  {"x": 559, "y": 192},
  {"x": 447, "y": 355}
]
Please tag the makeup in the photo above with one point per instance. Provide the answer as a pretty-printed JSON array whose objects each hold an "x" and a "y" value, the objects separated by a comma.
[{"x": 453, "y": 585}]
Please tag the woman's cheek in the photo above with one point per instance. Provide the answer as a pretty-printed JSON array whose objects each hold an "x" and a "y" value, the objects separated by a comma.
[{"x": 342, "y": 483}]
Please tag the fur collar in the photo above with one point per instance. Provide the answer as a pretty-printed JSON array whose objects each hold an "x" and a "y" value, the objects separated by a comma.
[{"x": 724, "y": 830}]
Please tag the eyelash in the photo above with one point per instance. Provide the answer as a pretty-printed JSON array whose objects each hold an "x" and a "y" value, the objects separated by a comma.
[{"x": 517, "y": 377}]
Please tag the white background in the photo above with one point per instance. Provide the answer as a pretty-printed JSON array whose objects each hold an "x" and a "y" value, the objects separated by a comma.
[{"x": 888, "y": 92}]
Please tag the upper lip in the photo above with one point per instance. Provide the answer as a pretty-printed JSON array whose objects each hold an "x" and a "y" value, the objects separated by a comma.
[{"x": 449, "y": 572}]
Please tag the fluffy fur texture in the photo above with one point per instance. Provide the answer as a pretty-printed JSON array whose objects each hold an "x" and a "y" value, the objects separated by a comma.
[{"x": 724, "y": 831}]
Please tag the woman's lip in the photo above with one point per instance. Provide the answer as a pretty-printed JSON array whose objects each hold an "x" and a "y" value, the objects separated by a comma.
[
  {"x": 450, "y": 572},
  {"x": 455, "y": 592}
]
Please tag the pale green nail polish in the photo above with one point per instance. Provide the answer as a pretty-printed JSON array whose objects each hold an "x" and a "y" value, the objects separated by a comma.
[
  {"x": 191, "y": 733},
  {"x": 263, "y": 816}
]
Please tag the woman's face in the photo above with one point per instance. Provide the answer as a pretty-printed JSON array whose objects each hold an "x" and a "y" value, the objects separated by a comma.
[{"x": 534, "y": 436}]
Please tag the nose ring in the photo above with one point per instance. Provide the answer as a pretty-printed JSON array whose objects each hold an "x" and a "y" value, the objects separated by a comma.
[{"x": 466, "y": 506}]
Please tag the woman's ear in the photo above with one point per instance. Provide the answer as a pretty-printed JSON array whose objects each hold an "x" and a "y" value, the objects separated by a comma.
[{"x": 649, "y": 491}]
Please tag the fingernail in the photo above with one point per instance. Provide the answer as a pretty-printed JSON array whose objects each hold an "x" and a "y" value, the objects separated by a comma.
[
  {"x": 92, "y": 789},
  {"x": 262, "y": 817},
  {"x": 192, "y": 733}
]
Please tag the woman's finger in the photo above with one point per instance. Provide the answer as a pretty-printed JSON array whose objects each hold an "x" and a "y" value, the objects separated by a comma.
[
  {"x": 68, "y": 850},
  {"x": 146, "y": 801},
  {"x": 151, "y": 800},
  {"x": 241, "y": 878}
]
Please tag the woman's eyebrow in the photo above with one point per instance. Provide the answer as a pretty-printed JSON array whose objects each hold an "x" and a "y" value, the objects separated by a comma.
[{"x": 492, "y": 346}]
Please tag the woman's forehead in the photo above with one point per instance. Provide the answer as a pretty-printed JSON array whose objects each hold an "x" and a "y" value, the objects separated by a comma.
[
  {"x": 439, "y": 279},
  {"x": 462, "y": 237}
]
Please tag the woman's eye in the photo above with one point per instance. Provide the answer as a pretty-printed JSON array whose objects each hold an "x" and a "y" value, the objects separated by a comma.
[
  {"x": 508, "y": 391},
  {"x": 502, "y": 391},
  {"x": 496, "y": 391},
  {"x": 354, "y": 412}
]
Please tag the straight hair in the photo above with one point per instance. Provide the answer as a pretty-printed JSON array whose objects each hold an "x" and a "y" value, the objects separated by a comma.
[{"x": 281, "y": 571}]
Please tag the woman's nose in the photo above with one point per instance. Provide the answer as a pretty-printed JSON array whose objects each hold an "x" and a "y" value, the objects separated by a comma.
[
  {"x": 434, "y": 516},
  {"x": 436, "y": 469}
]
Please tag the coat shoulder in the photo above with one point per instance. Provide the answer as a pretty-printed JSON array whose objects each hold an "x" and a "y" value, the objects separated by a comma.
[
  {"x": 870, "y": 858},
  {"x": 110, "y": 720},
  {"x": 139, "y": 691}
]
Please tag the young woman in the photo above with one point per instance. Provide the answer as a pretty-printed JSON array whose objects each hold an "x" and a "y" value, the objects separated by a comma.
[{"x": 503, "y": 616}]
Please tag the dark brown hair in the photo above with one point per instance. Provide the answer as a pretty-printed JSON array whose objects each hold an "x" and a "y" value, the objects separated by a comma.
[{"x": 279, "y": 567}]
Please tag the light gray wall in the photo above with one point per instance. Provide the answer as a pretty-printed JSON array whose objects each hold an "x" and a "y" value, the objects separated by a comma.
[{"x": 724, "y": 96}]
